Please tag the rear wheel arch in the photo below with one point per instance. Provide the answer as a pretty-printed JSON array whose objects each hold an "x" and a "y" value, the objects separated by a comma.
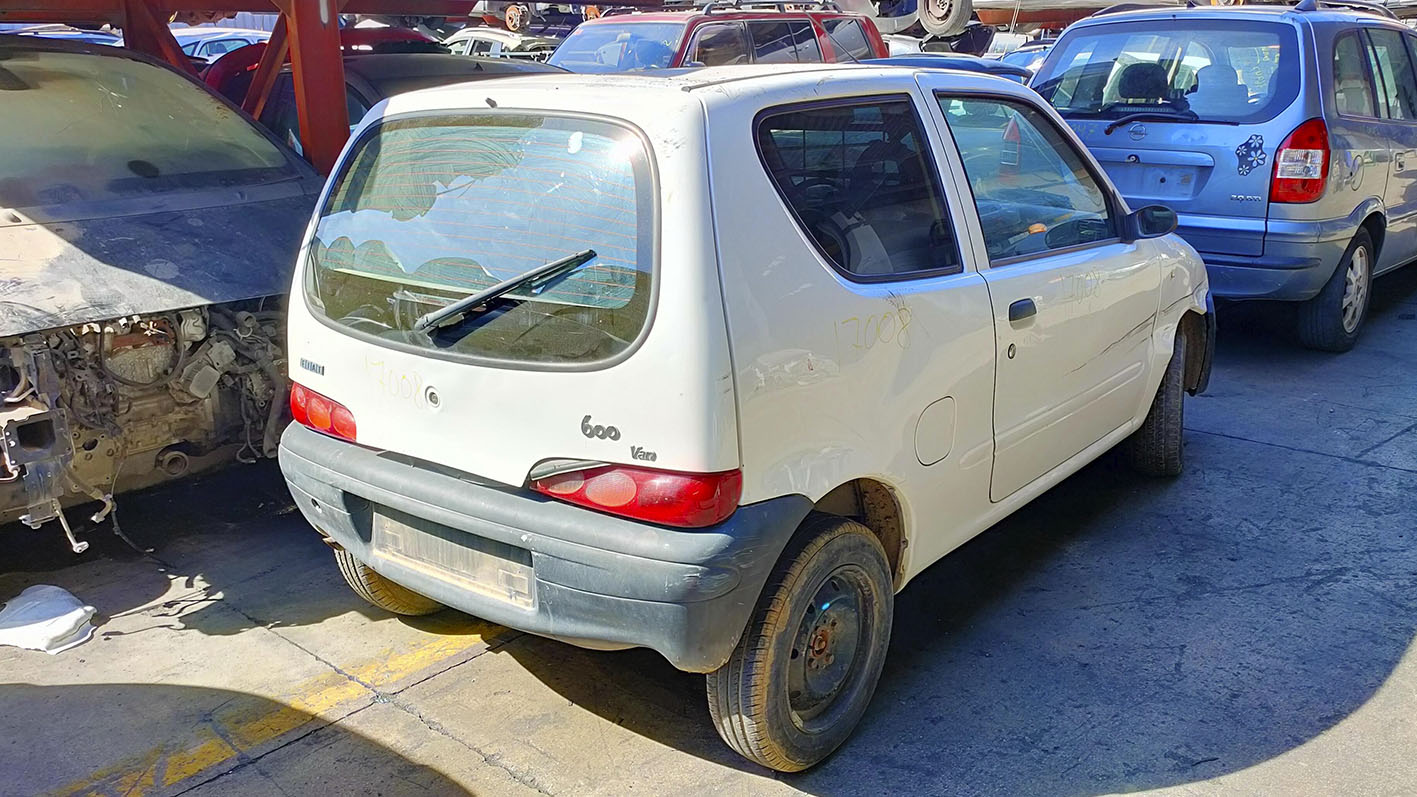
[
  {"x": 1376, "y": 225},
  {"x": 876, "y": 506}
]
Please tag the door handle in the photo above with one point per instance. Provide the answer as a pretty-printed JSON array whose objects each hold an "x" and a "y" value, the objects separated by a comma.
[{"x": 1021, "y": 309}]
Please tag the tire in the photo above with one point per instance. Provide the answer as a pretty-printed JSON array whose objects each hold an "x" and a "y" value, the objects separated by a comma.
[
  {"x": 1333, "y": 320},
  {"x": 380, "y": 591},
  {"x": 945, "y": 17},
  {"x": 786, "y": 711},
  {"x": 1155, "y": 449}
]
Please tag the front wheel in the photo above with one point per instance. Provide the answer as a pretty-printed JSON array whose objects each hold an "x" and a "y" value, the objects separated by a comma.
[
  {"x": 1155, "y": 449},
  {"x": 1332, "y": 320},
  {"x": 808, "y": 662}
]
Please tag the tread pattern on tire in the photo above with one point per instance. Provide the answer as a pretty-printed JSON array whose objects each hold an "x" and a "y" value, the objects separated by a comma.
[
  {"x": 380, "y": 591},
  {"x": 1321, "y": 318},
  {"x": 1155, "y": 449},
  {"x": 733, "y": 711}
]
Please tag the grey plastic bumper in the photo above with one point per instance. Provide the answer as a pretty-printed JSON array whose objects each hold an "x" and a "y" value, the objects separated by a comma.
[{"x": 600, "y": 581}]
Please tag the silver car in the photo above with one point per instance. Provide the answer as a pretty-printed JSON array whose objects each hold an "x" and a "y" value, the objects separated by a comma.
[{"x": 1284, "y": 137}]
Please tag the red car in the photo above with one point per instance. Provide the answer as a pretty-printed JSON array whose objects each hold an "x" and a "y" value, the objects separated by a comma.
[{"x": 718, "y": 34}]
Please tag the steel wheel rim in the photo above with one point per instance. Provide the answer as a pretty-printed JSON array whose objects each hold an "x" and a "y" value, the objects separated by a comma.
[
  {"x": 828, "y": 649},
  {"x": 1355, "y": 288}
]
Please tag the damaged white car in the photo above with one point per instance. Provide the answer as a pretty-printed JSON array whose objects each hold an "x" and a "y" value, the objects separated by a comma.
[{"x": 146, "y": 238}]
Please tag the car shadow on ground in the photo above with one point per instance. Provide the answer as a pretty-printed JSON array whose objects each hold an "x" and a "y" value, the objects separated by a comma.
[
  {"x": 230, "y": 540},
  {"x": 173, "y": 734},
  {"x": 1118, "y": 633}
]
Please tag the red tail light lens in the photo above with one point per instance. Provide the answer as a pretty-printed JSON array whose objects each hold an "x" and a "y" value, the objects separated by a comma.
[
  {"x": 1301, "y": 164},
  {"x": 320, "y": 413},
  {"x": 687, "y": 500}
]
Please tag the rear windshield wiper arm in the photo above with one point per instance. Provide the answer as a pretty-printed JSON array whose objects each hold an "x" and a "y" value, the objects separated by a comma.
[
  {"x": 1183, "y": 116},
  {"x": 540, "y": 274}
]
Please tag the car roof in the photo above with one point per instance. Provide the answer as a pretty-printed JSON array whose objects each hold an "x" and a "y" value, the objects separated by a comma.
[
  {"x": 959, "y": 61},
  {"x": 1285, "y": 13},
  {"x": 204, "y": 33},
  {"x": 723, "y": 80},
  {"x": 396, "y": 73},
  {"x": 727, "y": 16}
]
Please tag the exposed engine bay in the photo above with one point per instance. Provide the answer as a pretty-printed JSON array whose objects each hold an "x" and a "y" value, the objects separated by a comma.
[{"x": 95, "y": 409}]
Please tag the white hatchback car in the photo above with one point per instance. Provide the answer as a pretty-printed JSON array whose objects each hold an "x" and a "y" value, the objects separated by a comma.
[{"x": 715, "y": 363}]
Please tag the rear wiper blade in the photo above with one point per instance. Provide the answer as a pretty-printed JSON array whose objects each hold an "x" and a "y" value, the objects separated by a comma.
[
  {"x": 1185, "y": 116},
  {"x": 455, "y": 311}
]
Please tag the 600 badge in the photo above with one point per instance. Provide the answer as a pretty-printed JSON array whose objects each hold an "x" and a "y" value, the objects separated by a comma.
[{"x": 599, "y": 432}]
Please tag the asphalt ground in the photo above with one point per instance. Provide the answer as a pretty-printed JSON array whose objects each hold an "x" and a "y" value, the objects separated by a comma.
[{"x": 1246, "y": 628}]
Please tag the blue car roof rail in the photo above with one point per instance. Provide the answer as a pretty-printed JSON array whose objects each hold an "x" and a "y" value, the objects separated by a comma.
[{"x": 1351, "y": 5}]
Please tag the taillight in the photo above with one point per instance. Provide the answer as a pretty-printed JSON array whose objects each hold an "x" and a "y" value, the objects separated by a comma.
[
  {"x": 689, "y": 500},
  {"x": 321, "y": 413},
  {"x": 1301, "y": 164},
  {"x": 1011, "y": 153}
]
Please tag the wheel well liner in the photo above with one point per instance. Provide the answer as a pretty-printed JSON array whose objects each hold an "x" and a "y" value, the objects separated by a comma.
[{"x": 875, "y": 506}]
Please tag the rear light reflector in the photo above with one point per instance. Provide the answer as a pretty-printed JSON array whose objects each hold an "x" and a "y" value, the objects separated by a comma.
[
  {"x": 321, "y": 413},
  {"x": 687, "y": 500},
  {"x": 1301, "y": 164}
]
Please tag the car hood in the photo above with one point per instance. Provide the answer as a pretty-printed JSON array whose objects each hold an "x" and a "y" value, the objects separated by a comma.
[{"x": 83, "y": 264}]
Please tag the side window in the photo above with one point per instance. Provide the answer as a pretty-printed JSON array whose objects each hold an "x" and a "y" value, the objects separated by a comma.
[
  {"x": 1395, "y": 73},
  {"x": 772, "y": 42},
  {"x": 190, "y": 48},
  {"x": 719, "y": 45},
  {"x": 1032, "y": 188},
  {"x": 279, "y": 115},
  {"x": 861, "y": 185},
  {"x": 355, "y": 107},
  {"x": 848, "y": 39},
  {"x": 1352, "y": 87},
  {"x": 480, "y": 47},
  {"x": 804, "y": 38}
]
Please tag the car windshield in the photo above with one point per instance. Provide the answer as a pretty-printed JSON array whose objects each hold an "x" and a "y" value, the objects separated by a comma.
[
  {"x": 79, "y": 127},
  {"x": 429, "y": 210},
  {"x": 627, "y": 47},
  {"x": 1238, "y": 71}
]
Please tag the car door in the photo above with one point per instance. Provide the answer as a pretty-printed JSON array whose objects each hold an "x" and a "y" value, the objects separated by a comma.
[
  {"x": 1362, "y": 152},
  {"x": 1396, "y": 84},
  {"x": 1074, "y": 306}
]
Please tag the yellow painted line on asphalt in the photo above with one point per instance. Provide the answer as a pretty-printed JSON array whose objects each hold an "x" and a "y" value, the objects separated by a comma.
[{"x": 246, "y": 728}]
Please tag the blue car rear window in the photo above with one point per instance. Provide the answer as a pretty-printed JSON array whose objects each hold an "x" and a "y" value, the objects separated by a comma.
[{"x": 1239, "y": 71}]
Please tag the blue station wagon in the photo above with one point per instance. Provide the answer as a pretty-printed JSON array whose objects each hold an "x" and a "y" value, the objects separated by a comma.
[{"x": 1284, "y": 137}]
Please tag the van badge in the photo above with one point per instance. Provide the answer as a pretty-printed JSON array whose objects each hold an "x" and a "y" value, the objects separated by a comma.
[
  {"x": 639, "y": 453},
  {"x": 597, "y": 431},
  {"x": 1251, "y": 154},
  {"x": 1137, "y": 131},
  {"x": 312, "y": 366}
]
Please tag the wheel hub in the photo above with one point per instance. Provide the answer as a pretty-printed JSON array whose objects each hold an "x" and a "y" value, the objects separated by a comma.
[{"x": 826, "y": 647}]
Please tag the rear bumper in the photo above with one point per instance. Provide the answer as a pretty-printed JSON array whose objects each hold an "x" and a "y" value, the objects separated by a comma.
[
  {"x": 599, "y": 581},
  {"x": 1298, "y": 259}
]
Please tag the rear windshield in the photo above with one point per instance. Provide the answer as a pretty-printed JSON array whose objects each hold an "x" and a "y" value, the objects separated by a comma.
[
  {"x": 1210, "y": 71},
  {"x": 628, "y": 47},
  {"x": 430, "y": 210},
  {"x": 76, "y": 127}
]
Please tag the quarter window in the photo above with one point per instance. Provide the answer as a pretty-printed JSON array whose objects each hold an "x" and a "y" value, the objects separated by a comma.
[
  {"x": 1394, "y": 68},
  {"x": 848, "y": 39},
  {"x": 861, "y": 186},
  {"x": 1352, "y": 86},
  {"x": 1032, "y": 188}
]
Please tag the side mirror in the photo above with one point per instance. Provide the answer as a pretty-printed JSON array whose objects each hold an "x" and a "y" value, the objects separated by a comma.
[{"x": 1152, "y": 221}]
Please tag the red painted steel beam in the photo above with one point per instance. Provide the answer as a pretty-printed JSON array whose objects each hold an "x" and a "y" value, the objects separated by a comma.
[
  {"x": 267, "y": 70},
  {"x": 318, "y": 69},
  {"x": 146, "y": 33}
]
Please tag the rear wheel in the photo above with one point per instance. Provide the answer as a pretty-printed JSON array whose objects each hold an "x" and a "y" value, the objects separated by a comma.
[
  {"x": 1155, "y": 449},
  {"x": 808, "y": 662},
  {"x": 380, "y": 591},
  {"x": 1332, "y": 320}
]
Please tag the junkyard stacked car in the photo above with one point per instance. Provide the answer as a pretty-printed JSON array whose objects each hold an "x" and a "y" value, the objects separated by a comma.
[{"x": 146, "y": 231}]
